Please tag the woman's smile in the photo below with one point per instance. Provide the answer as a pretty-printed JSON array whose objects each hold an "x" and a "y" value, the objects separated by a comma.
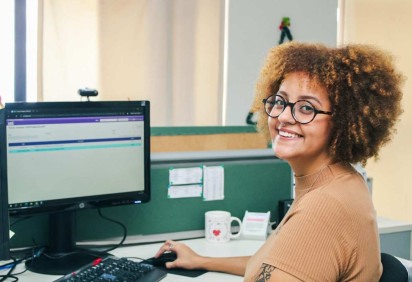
[{"x": 288, "y": 134}]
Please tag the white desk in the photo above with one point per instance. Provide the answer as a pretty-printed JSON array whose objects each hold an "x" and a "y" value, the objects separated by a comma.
[
  {"x": 395, "y": 237},
  {"x": 232, "y": 248}
]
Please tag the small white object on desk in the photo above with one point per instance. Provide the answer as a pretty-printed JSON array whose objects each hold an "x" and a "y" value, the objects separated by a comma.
[{"x": 255, "y": 225}]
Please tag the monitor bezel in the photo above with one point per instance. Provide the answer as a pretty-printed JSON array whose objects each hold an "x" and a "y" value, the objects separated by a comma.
[{"x": 85, "y": 202}]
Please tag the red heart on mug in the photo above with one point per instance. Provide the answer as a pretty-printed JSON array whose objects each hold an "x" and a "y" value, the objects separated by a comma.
[{"x": 216, "y": 232}]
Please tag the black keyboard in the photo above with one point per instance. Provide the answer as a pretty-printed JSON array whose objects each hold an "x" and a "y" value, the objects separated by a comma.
[{"x": 113, "y": 269}]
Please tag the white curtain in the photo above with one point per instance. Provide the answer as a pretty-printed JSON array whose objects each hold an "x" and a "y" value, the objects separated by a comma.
[{"x": 167, "y": 51}]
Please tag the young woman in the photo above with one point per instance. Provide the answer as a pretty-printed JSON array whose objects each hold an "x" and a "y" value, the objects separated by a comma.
[{"x": 323, "y": 109}]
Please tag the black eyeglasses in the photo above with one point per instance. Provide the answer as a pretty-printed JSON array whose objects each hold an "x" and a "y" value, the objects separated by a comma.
[{"x": 302, "y": 111}]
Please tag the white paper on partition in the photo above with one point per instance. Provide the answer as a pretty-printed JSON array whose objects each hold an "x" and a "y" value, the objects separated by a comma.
[
  {"x": 182, "y": 176},
  {"x": 213, "y": 183},
  {"x": 184, "y": 191}
]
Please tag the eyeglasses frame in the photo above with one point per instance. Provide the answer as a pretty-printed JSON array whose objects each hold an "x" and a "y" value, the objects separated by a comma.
[{"x": 292, "y": 105}]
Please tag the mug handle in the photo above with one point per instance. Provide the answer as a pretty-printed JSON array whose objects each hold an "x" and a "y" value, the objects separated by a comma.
[{"x": 240, "y": 227}]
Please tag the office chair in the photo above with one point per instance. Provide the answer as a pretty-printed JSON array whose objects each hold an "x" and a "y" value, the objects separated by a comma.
[{"x": 394, "y": 270}]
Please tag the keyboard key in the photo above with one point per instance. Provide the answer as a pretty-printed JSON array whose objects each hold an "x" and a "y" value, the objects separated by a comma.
[{"x": 113, "y": 269}]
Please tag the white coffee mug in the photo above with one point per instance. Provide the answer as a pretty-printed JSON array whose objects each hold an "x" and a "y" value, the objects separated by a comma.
[{"x": 218, "y": 226}]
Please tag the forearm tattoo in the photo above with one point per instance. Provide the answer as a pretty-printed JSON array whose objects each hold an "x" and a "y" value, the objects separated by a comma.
[{"x": 265, "y": 273}]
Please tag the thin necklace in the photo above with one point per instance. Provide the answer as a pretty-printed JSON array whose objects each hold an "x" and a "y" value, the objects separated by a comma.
[{"x": 317, "y": 177}]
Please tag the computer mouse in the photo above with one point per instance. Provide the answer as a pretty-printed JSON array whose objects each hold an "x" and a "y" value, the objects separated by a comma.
[{"x": 162, "y": 259}]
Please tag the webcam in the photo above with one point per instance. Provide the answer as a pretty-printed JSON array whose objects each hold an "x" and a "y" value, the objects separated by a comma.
[{"x": 88, "y": 92}]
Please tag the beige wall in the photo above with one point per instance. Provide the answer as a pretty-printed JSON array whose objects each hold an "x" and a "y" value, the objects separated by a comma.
[
  {"x": 387, "y": 24},
  {"x": 65, "y": 62}
]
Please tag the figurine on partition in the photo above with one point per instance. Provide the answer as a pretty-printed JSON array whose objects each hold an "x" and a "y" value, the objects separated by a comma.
[{"x": 285, "y": 31}]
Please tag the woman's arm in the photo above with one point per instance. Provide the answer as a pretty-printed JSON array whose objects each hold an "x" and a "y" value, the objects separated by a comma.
[
  {"x": 189, "y": 259},
  {"x": 232, "y": 265}
]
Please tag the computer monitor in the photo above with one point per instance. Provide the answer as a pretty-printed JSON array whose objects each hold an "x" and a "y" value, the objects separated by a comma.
[{"x": 60, "y": 157}]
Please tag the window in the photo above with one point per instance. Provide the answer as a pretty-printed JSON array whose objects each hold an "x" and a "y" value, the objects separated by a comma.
[
  {"x": 7, "y": 50},
  {"x": 32, "y": 28}
]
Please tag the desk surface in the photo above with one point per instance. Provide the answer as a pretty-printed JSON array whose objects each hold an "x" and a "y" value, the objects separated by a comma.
[
  {"x": 232, "y": 248},
  {"x": 389, "y": 226}
]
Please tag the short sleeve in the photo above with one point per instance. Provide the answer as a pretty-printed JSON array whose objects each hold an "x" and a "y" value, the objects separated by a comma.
[{"x": 312, "y": 244}]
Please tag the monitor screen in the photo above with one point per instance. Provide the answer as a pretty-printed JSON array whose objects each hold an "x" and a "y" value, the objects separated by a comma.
[{"x": 66, "y": 156}]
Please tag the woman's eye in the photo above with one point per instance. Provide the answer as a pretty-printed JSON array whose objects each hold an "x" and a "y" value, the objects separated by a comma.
[
  {"x": 306, "y": 109},
  {"x": 279, "y": 103}
]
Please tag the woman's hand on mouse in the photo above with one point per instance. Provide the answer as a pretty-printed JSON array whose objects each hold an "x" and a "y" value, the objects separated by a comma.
[{"x": 186, "y": 257}]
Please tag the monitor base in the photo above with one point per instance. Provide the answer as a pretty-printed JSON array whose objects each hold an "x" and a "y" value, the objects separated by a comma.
[{"x": 55, "y": 265}]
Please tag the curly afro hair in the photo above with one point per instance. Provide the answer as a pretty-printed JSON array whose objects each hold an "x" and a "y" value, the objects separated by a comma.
[{"x": 364, "y": 91}]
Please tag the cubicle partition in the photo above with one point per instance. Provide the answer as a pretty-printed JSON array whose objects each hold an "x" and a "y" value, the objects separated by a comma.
[{"x": 253, "y": 180}]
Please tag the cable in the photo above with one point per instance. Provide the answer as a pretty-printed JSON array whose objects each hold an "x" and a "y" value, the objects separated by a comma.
[
  {"x": 121, "y": 225},
  {"x": 9, "y": 274},
  {"x": 20, "y": 219},
  {"x": 12, "y": 265},
  {"x": 35, "y": 253},
  {"x": 94, "y": 253},
  {"x": 6, "y": 266}
]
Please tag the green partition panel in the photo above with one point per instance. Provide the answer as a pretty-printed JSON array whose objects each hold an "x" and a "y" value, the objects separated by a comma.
[{"x": 249, "y": 185}]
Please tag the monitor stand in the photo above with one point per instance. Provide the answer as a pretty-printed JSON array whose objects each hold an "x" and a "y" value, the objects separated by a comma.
[{"x": 61, "y": 255}]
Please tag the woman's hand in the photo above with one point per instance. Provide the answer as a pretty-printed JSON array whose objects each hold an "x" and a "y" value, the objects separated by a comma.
[
  {"x": 186, "y": 257},
  {"x": 189, "y": 259}
]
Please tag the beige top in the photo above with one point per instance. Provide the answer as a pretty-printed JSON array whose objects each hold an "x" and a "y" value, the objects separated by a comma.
[{"x": 330, "y": 232}]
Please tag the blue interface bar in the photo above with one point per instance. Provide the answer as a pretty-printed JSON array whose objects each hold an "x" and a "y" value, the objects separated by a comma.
[{"x": 103, "y": 119}]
